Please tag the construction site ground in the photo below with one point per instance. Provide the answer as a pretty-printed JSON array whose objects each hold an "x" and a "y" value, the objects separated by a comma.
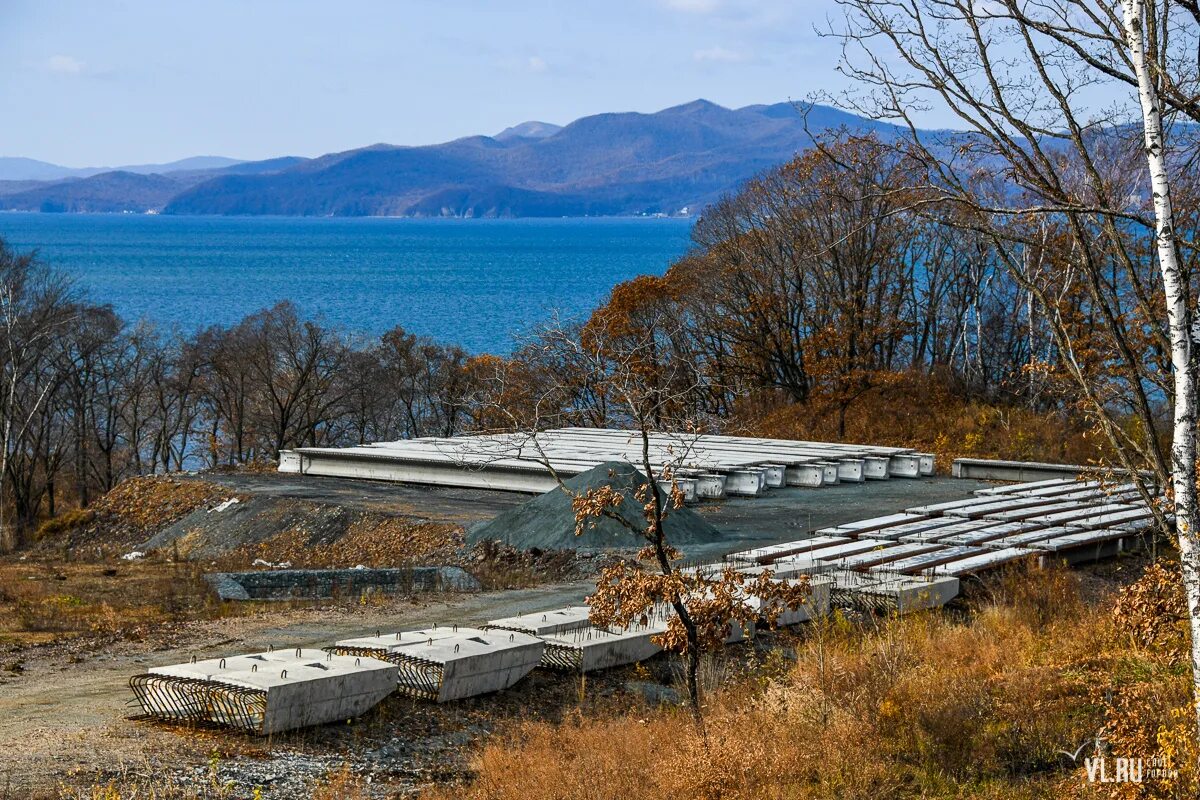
[{"x": 64, "y": 696}]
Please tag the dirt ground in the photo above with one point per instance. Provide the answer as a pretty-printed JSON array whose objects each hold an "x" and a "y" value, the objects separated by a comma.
[
  {"x": 63, "y": 706},
  {"x": 63, "y": 688}
]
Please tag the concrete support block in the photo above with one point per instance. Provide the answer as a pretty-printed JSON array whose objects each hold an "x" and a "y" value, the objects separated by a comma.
[
  {"x": 265, "y": 693},
  {"x": 446, "y": 664},
  {"x": 811, "y": 475},
  {"x": 875, "y": 468},
  {"x": 544, "y": 623},
  {"x": 904, "y": 466},
  {"x": 900, "y": 594},
  {"x": 590, "y": 649}
]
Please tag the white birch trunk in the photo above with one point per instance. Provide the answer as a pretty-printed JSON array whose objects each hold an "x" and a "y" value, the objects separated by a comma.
[{"x": 1179, "y": 316}]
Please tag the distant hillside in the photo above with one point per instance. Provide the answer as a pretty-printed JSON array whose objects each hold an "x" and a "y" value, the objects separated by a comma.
[
  {"x": 528, "y": 130},
  {"x": 683, "y": 157},
  {"x": 28, "y": 169},
  {"x": 108, "y": 192}
]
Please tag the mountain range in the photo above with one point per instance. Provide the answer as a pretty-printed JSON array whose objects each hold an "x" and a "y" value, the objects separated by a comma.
[{"x": 674, "y": 161}]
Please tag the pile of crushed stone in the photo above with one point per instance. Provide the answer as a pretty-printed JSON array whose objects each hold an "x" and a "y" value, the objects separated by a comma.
[{"x": 548, "y": 522}]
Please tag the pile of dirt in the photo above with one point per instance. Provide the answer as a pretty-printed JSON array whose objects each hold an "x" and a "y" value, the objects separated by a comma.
[
  {"x": 548, "y": 522},
  {"x": 137, "y": 508},
  {"x": 346, "y": 539}
]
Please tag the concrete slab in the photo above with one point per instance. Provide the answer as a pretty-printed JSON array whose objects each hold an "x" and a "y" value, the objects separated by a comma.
[
  {"x": 1026, "y": 538},
  {"x": 774, "y": 552},
  {"x": 883, "y": 554},
  {"x": 959, "y": 528},
  {"x": 542, "y": 623},
  {"x": 453, "y": 663},
  {"x": 1094, "y": 516},
  {"x": 920, "y": 526},
  {"x": 862, "y": 526},
  {"x": 916, "y": 564},
  {"x": 999, "y": 506},
  {"x": 264, "y": 693},
  {"x": 986, "y": 560},
  {"x": 982, "y": 536}
]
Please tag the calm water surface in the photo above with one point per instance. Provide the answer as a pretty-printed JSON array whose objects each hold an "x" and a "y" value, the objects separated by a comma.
[{"x": 474, "y": 282}]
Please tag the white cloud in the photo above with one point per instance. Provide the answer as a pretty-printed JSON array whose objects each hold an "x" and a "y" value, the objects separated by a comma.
[
  {"x": 536, "y": 64},
  {"x": 718, "y": 55},
  {"x": 693, "y": 6},
  {"x": 64, "y": 65}
]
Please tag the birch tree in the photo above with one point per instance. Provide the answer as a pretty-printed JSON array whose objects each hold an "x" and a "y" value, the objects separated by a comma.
[{"x": 1180, "y": 318}]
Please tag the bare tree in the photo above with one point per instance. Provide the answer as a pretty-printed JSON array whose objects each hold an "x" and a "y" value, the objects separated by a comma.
[
  {"x": 626, "y": 351},
  {"x": 1115, "y": 275}
]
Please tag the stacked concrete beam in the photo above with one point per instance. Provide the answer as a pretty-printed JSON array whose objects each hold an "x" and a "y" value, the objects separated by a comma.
[
  {"x": 1075, "y": 520},
  {"x": 264, "y": 693},
  {"x": 704, "y": 466},
  {"x": 453, "y": 663}
]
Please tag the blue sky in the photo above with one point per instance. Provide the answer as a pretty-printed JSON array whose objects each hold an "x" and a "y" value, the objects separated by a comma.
[{"x": 132, "y": 81}]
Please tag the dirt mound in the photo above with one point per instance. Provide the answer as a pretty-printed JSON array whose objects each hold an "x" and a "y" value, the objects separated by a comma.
[
  {"x": 306, "y": 534},
  {"x": 134, "y": 509},
  {"x": 548, "y": 522}
]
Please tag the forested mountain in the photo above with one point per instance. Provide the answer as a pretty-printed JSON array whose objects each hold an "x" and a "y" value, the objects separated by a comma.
[{"x": 680, "y": 158}]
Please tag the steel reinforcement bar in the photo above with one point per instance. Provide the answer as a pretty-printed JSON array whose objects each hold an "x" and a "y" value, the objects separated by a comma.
[{"x": 200, "y": 702}]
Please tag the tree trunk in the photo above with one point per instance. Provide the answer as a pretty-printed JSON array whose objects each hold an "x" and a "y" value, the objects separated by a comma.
[{"x": 1175, "y": 287}]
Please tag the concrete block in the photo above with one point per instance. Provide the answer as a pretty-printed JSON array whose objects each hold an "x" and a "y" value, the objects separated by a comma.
[
  {"x": 265, "y": 693},
  {"x": 829, "y": 472},
  {"x": 904, "y": 466},
  {"x": 744, "y": 482},
  {"x": 812, "y": 475},
  {"x": 897, "y": 593},
  {"x": 541, "y": 623},
  {"x": 927, "y": 463},
  {"x": 875, "y": 468},
  {"x": 590, "y": 649},
  {"x": 446, "y": 664},
  {"x": 851, "y": 470},
  {"x": 817, "y": 605}
]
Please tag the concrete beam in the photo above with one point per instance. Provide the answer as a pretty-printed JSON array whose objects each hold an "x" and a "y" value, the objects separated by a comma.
[
  {"x": 265, "y": 693},
  {"x": 446, "y": 664}
]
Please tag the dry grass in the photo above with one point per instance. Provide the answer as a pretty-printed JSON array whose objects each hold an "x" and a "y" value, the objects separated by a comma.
[
  {"x": 45, "y": 600},
  {"x": 925, "y": 706},
  {"x": 929, "y": 414}
]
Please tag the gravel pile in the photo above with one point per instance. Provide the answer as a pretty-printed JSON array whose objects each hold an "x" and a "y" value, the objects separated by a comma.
[{"x": 548, "y": 522}]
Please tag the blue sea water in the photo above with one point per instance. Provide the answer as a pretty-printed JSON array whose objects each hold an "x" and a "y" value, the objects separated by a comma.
[{"x": 473, "y": 282}]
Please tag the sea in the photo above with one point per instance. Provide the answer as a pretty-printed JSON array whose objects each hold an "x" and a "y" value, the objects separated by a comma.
[{"x": 481, "y": 284}]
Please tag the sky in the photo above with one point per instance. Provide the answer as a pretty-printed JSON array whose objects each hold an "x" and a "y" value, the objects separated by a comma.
[{"x": 87, "y": 83}]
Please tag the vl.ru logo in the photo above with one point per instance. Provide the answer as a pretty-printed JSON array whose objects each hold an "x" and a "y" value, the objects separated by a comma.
[
  {"x": 1128, "y": 770},
  {"x": 1100, "y": 768}
]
